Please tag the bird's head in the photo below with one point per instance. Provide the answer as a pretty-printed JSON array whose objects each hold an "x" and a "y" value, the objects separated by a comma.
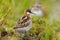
[
  {"x": 37, "y": 9},
  {"x": 28, "y": 12}
]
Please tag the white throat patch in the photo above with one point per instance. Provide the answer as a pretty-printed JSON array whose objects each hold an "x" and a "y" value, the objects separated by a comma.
[{"x": 28, "y": 13}]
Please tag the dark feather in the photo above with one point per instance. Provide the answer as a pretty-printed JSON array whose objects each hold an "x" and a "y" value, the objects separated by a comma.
[{"x": 3, "y": 33}]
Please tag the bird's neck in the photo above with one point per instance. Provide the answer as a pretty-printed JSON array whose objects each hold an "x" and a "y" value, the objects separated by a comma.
[{"x": 27, "y": 15}]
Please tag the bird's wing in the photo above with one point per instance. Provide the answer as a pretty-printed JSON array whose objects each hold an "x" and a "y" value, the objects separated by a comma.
[{"x": 23, "y": 22}]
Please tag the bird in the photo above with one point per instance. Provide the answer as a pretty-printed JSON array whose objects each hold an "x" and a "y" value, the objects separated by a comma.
[
  {"x": 37, "y": 9},
  {"x": 24, "y": 24}
]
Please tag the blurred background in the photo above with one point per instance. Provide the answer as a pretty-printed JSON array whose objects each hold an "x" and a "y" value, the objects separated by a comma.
[{"x": 43, "y": 28}]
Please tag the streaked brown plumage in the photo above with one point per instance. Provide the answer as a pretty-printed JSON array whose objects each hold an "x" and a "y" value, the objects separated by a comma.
[{"x": 23, "y": 22}]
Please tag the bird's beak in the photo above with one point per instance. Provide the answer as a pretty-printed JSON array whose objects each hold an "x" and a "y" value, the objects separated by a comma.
[{"x": 33, "y": 13}]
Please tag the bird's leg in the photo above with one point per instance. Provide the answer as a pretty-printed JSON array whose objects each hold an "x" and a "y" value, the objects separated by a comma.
[
  {"x": 25, "y": 32},
  {"x": 22, "y": 34}
]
